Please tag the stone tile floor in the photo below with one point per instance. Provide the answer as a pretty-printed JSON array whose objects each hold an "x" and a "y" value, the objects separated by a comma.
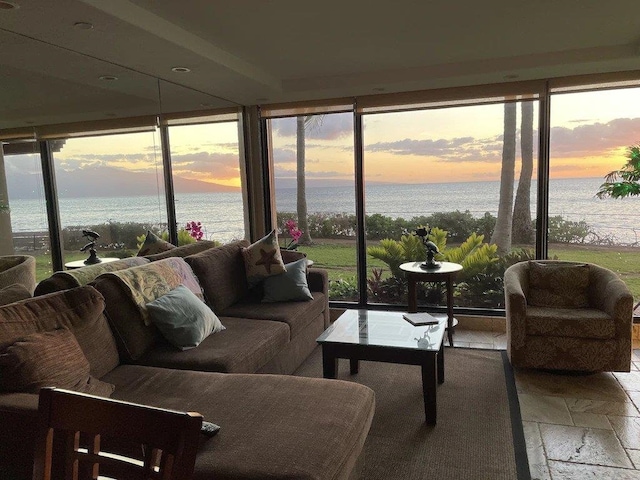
[{"x": 576, "y": 426}]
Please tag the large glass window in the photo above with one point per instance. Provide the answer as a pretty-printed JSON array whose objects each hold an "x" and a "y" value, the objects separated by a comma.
[
  {"x": 206, "y": 177},
  {"x": 23, "y": 212},
  {"x": 591, "y": 133},
  {"x": 313, "y": 159},
  {"x": 113, "y": 185},
  {"x": 467, "y": 173}
]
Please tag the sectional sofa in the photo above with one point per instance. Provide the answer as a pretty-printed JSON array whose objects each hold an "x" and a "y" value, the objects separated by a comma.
[{"x": 272, "y": 425}]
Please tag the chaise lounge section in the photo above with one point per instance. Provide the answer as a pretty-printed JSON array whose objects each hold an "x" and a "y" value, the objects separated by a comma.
[{"x": 273, "y": 426}]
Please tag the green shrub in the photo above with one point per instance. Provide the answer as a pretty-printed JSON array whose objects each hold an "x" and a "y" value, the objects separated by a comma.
[
  {"x": 345, "y": 289},
  {"x": 567, "y": 231}
]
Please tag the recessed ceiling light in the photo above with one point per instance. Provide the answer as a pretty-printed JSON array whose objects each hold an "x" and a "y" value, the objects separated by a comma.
[
  {"x": 110, "y": 115},
  {"x": 8, "y": 6},
  {"x": 511, "y": 76},
  {"x": 261, "y": 99},
  {"x": 379, "y": 89},
  {"x": 108, "y": 78},
  {"x": 83, "y": 25},
  {"x": 29, "y": 122},
  {"x": 206, "y": 104},
  {"x": 180, "y": 69}
]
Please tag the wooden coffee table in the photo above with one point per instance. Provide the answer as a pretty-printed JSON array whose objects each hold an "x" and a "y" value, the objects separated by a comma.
[{"x": 386, "y": 337}]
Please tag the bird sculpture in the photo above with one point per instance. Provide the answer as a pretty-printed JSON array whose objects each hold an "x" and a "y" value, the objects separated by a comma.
[{"x": 93, "y": 255}]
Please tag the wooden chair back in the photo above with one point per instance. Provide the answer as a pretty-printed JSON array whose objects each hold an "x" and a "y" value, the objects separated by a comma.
[{"x": 71, "y": 426}]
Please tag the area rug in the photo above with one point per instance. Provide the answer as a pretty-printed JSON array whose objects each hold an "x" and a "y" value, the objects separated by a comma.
[{"x": 479, "y": 429}]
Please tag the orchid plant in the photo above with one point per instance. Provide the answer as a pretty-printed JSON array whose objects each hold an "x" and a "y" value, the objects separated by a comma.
[
  {"x": 294, "y": 232},
  {"x": 195, "y": 230}
]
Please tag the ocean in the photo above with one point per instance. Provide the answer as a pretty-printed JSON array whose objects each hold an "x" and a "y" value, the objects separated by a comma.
[{"x": 222, "y": 216}]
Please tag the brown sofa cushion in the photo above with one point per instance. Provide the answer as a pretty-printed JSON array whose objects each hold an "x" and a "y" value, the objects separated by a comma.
[
  {"x": 14, "y": 293},
  {"x": 146, "y": 283},
  {"x": 132, "y": 336},
  {"x": 184, "y": 250},
  {"x": 79, "y": 309},
  {"x": 84, "y": 275},
  {"x": 48, "y": 359},
  {"x": 243, "y": 347},
  {"x": 221, "y": 274},
  {"x": 561, "y": 285},
  {"x": 273, "y": 426},
  {"x": 295, "y": 314}
]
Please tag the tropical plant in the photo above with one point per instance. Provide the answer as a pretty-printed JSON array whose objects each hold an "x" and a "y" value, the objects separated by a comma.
[
  {"x": 473, "y": 254},
  {"x": 343, "y": 289},
  {"x": 195, "y": 230},
  {"x": 626, "y": 181}
]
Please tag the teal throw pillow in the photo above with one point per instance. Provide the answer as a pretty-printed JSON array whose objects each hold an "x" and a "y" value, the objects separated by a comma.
[
  {"x": 290, "y": 285},
  {"x": 182, "y": 318}
]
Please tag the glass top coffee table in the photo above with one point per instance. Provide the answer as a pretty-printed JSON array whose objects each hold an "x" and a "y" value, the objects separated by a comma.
[{"x": 386, "y": 337}]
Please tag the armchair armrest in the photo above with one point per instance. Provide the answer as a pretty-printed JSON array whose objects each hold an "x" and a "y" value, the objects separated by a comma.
[
  {"x": 611, "y": 295},
  {"x": 515, "y": 285}
]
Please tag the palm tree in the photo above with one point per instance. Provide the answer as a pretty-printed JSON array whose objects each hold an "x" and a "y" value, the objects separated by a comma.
[
  {"x": 629, "y": 183},
  {"x": 302, "y": 124},
  {"x": 522, "y": 228},
  {"x": 301, "y": 198},
  {"x": 629, "y": 175},
  {"x": 502, "y": 232}
]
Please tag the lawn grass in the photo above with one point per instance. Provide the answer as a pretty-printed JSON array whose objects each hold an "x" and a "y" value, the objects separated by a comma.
[{"x": 339, "y": 259}]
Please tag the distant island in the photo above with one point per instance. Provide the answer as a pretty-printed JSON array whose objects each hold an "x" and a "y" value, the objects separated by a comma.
[{"x": 105, "y": 182}]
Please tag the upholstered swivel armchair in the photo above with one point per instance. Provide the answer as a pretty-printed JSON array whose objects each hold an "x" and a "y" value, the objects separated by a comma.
[
  {"x": 567, "y": 316},
  {"x": 18, "y": 269}
]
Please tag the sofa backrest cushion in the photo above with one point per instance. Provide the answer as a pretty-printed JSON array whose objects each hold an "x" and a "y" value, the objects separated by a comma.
[
  {"x": 82, "y": 276},
  {"x": 184, "y": 250},
  {"x": 14, "y": 293},
  {"x": 222, "y": 274},
  {"x": 127, "y": 293},
  {"x": 558, "y": 284},
  {"x": 79, "y": 309}
]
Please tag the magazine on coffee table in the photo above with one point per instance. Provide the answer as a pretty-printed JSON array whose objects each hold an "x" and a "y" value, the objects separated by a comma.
[{"x": 419, "y": 319}]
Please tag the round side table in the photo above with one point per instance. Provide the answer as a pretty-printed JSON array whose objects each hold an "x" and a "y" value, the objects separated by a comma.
[{"x": 446, "y": 273}]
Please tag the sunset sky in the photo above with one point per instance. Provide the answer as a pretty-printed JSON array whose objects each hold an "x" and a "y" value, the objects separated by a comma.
[{"x": 589, "y": 137}]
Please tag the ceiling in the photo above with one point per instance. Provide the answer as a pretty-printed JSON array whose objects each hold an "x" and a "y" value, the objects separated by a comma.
[{"x": 246, "y": 52}]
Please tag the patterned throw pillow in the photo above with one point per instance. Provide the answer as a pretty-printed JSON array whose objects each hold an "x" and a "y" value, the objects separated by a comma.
[
  {"x": 154, "y": 244},
  {"x": 263, "y": 259},
  {"x": 560, "y": 285},
  {"x": 48, "y": 359}
]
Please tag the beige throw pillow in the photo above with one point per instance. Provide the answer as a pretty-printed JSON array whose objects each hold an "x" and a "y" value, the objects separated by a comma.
[{"x": 262, "y": 259}]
